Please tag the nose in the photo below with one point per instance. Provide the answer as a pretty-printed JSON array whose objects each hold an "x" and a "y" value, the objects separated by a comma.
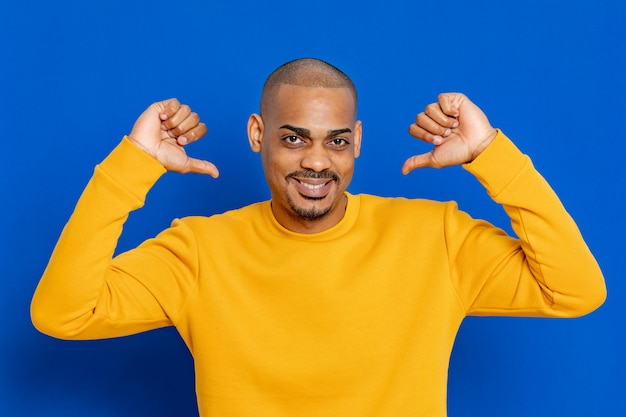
[{"x": 316, "y": 159}]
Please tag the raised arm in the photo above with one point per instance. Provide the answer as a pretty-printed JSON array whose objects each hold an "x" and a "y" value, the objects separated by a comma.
[
  {"x": 82, "y": 294},
  {"x": 549, "y": 270}
]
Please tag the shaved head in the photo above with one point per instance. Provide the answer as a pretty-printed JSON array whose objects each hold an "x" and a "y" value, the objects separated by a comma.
[{"x": 305, "y": 72}]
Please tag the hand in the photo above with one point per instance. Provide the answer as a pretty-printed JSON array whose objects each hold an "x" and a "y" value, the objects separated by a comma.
[
  {"x": 459, "y": 130},
  {"x": 163, "y": 130}
]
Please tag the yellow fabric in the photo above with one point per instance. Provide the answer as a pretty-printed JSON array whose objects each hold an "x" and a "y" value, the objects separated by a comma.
[{"x": 358, "y": 320}]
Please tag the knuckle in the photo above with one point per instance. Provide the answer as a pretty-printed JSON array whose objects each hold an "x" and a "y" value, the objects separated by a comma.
[
  {"x": 200, "y": 130},
  {"x": 194, "y": 117},
  {"x": 432, "y": 107},
  {"x": 172, "y": 107}
]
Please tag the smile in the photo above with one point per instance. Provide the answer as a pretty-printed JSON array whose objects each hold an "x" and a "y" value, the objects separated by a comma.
[{"x": 312, "y": 186}]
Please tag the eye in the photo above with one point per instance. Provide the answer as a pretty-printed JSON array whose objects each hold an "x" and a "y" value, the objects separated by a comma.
[
  {"x": 339, "y": 143},
  {"x": 292, "y": 139}
]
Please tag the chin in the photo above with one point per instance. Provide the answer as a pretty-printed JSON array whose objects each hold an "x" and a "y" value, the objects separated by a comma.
[{"x": 310, "y": 212}]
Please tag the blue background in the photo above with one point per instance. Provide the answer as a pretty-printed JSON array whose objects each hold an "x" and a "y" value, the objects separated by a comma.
[{"x": 75, "y": 75}]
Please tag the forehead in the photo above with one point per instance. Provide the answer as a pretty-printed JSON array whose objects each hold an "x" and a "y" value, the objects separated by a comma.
[{"x": 313, "y": 103}]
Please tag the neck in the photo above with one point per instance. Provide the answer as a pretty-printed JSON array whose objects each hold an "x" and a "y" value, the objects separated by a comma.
[{"x": 299, "y": 224}]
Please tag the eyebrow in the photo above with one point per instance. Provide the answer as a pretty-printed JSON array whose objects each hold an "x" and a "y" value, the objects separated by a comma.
[{"x": 307, "y": 133}]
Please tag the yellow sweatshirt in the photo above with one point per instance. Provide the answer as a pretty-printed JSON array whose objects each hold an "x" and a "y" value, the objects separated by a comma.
[{"x": 358, "y": 320}]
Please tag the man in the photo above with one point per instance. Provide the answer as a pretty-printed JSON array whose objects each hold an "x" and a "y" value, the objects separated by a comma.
[{"x": 318, "y": 302}]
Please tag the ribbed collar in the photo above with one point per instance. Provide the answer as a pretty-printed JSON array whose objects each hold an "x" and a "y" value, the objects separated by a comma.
[{"x": 341, "y": 228}]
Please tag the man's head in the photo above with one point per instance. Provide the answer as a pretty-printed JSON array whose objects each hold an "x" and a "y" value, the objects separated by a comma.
[
  {"x": 308, "y": 137},
  {"x": 305, "y": 72}
]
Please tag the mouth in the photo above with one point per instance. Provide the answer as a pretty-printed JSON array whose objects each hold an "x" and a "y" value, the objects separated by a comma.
[
  {"x": 313, "y": 186},
  {"x": 313, "y": 190}
]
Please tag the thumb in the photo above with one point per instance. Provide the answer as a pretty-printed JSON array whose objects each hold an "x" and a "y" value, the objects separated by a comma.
[
  {"x": 199, "y": 166},
  {"x": 419, "y": 161}
]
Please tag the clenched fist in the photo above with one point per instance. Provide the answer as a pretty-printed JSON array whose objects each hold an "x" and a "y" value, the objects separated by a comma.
[
  {"x": 164, "y": 129},
  {"x": 456, "y": 127}
]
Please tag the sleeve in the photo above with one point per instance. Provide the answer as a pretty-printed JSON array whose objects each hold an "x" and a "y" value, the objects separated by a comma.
[
  {"x": 86, "y": 294},
  {"x": 549, "y": 271}
]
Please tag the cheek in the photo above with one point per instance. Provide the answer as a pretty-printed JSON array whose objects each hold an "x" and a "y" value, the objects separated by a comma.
[
  {"x": 281, "y": 162},
  {"x": 345, "y": 166},
  {"x": 276, "y": 170}
]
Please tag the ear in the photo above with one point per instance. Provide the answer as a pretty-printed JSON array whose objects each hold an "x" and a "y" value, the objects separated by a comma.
[
  {"x": 255, "y": 132},
  {"x": 358, "y": 133}
]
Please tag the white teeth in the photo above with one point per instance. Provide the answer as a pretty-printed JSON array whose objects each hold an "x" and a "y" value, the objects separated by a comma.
[{"x": 312, "y": 186}]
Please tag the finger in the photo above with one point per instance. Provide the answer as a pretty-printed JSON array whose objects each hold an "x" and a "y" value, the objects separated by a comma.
[
  {"x": 167, "y": 108},
  {"x": 428, "y": 131},
  {"x": 189, "y": 122},
  {"x": 440, "y": 116},
  {"x": 199, "y": 166},
  {"x": 175, "y": 119},
  {"x": 192, "y": 134},
  {"x": 450, "y": 103},
  {"x": 419, "y": 161}
]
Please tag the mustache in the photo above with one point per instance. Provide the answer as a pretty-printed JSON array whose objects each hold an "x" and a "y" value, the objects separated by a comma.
[{"x": 306, "y": 173}]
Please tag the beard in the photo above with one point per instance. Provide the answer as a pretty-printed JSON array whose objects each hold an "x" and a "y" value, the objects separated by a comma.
[{"x": 311, "y": 213}]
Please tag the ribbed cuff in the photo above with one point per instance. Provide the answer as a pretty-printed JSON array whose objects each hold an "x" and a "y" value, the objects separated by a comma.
[
  {"x": 498, "y": 165},
  {"x": 132, "y": 168}
]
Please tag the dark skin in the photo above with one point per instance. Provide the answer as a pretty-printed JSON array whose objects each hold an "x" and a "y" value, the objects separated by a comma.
[
  {"x": 308, "y": 143},
  {"x": 456, "y": 127},
  {"x": 164, "y": 129},
  {"x": 311, "y": 129}
]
